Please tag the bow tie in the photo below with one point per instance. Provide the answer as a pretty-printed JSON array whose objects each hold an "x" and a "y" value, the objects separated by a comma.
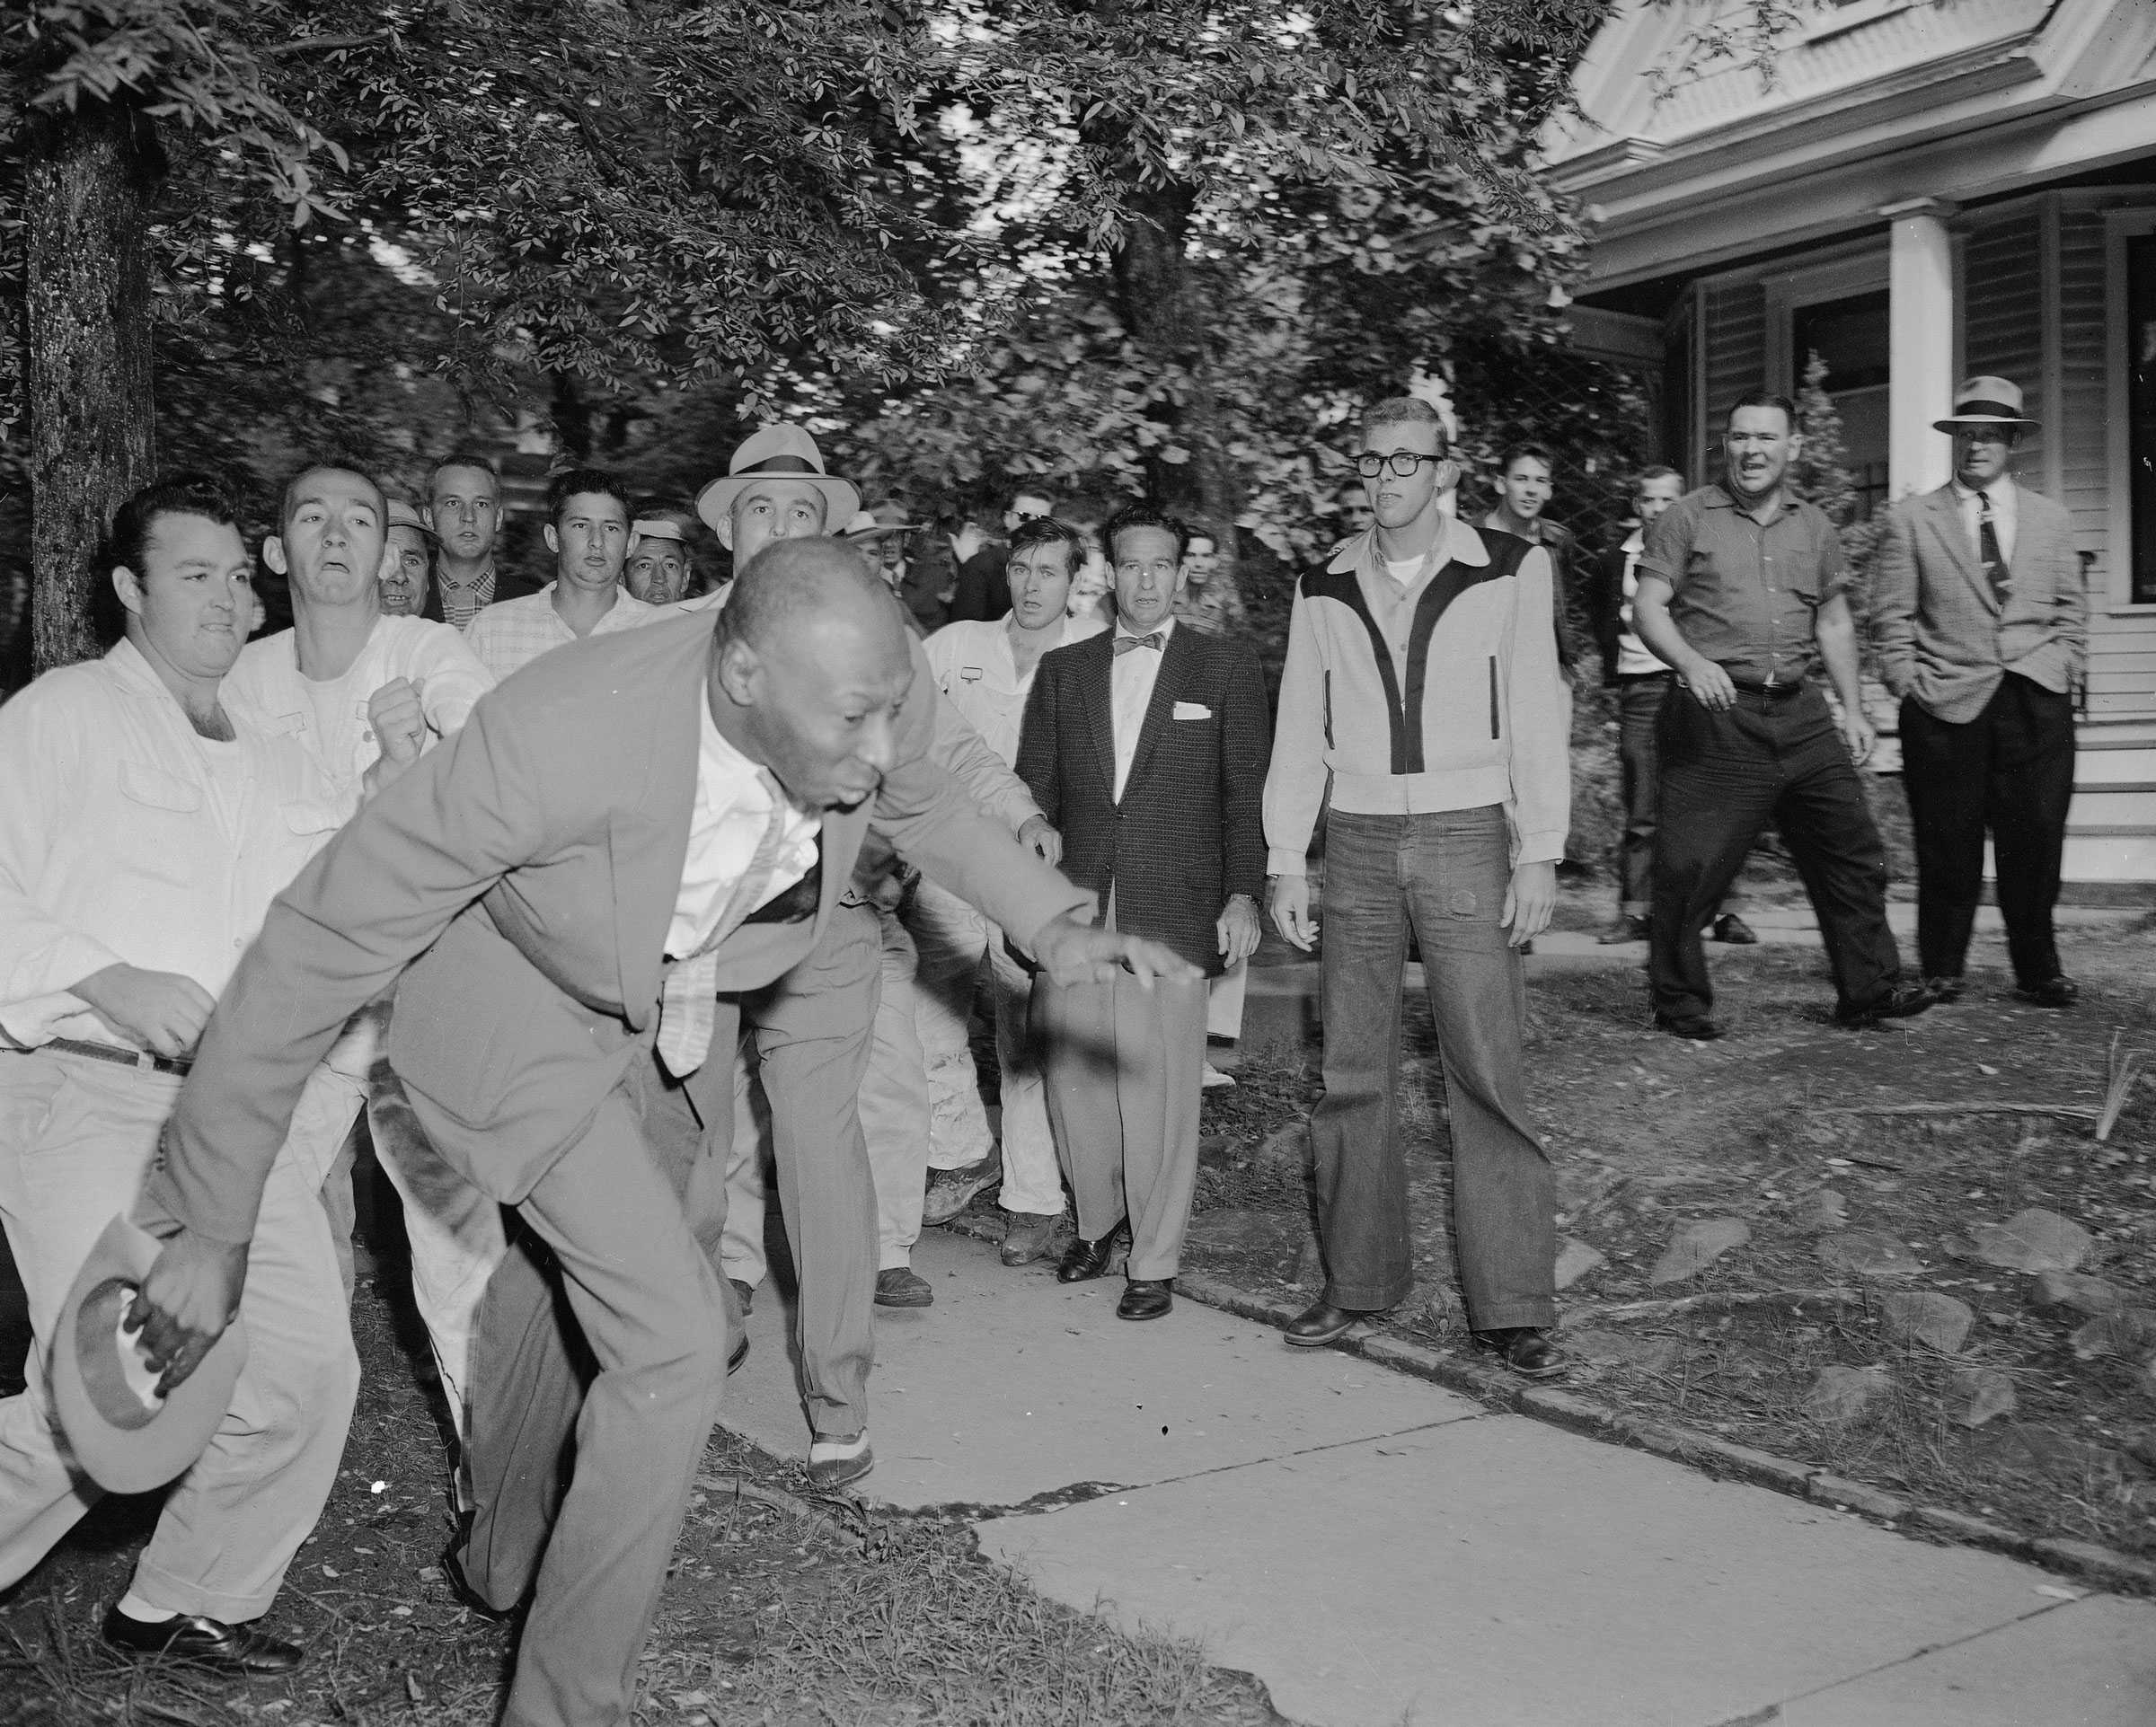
[{"x": 1124, "y": 644}]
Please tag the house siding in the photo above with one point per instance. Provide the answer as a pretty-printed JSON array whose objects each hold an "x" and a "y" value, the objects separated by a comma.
[{"x": 1736, "y": 344}]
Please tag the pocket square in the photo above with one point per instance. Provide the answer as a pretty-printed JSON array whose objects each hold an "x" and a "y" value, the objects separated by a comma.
[{"x": 1192, "y": 710}]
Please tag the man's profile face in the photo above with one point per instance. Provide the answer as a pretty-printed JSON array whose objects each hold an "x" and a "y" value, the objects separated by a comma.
[
  {"x": 658, "y": 570},
  {"x": 1525, "y": 487},
  {"x": 1041, "y": 583},
  {"x": 404, "y": 573},
  {"x": 1149, "y": 574},
  {"x": 774, "y": 508},
  {"x": 192, "y": 602},
  {"x": 465, "y": 510},
  {"x": 1028, "y": 506},
  {"x": 1397, "y": 499},
  {"x": 1356, "y": 514},
  {"x": 1656, "y": 495},
  {"x": 589, "y": 538},
  {"x": 824, "y": 707},
  {"x": 333, "y": 540},
  {"x": 1757, "y": 448},
  {"x": 1981, "y": 454}
]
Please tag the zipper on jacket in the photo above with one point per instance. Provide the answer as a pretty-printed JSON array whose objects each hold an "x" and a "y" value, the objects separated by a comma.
[{"x": 1493, "y": 696}]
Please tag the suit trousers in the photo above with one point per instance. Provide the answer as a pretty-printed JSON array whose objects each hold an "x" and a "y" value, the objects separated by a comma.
[
  {"x": 602, "y": 1354},
  {"x": 1639, "y": 760},
  {"x": 1125, "y": 1070},
  {"x": 1723, "y": 778},
  {"x": 2009, "y": 770},
  {"x": 897, "y": 1108},
  {"x": 1445, "y": 874},
  {"x": 76, "y": 1136},
  {"x": 955, "y": 944}
]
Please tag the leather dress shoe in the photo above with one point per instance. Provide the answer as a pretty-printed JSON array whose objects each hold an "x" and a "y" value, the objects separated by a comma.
[
  {"x": 1527, "y": 1350},
  {"x": 1084, "y": 1259},
  {"x": 834, "y": 1462},
  {"x": 203, "y": 1642},
  {"x": 1733, "y": 931},
  {"x": 901, "y": 1286},
  {"x": 1900, "y": 1002},
  {"x": 1627, "y": 927},
  {"x": 1146, "y": 1298},
  {"x": 1028, "y": 1236},
  {"x": 1697, "y": 1027},
  {"x": 1320, "y": 1323},
  {"x": 2051, "y": 992},
  {"x": 1944, "y": 989}
]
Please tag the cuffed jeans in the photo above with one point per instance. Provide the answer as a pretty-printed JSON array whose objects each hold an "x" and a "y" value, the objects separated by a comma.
[
  {"x": 2010, "y": 768},
  {"x": 1725, "y": 776},
  {"x": 1445, "y": 875},
  {"x": 76, "y": 1136}
]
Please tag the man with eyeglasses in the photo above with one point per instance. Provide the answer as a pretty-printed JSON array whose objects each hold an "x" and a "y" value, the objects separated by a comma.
[
  {"x": 1981, "y": 620},
  {"x": 1421, "y": 706}
]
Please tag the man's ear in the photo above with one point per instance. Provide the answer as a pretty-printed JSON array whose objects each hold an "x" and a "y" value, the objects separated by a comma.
[
  {"x": 739, "y": 673},
  {"x": 725, "y": 531},
  {"x": 128, "y": 586},
  {"x": 273, "y": 554},
  {"x": 553, "y": 539},
  {"x": 1448, "y": 476}
]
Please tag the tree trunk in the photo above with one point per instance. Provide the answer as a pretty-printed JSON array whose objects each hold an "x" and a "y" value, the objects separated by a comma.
[{"x": 93, "y": 411}]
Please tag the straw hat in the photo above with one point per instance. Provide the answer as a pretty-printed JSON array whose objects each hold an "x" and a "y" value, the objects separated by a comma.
[
  {"x": 779, "y": 449},
  {"x": 1985, "y": 401}
]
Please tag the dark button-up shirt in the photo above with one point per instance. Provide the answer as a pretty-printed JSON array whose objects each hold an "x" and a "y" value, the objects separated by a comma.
[{"x": 1745, "y": 594}]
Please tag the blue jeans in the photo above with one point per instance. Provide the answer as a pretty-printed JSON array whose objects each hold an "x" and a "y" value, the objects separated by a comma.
[{"x": 1447, "y": 875}]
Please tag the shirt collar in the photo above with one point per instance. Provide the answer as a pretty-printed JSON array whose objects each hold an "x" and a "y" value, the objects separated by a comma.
[
  {"x": 1720, "y": 497},
  {"x": 486, "y": 575},
  {"x": 1635, "y": 541},
  {"x": 1997, "y": 490},
  {"x": 1163, "y": 629},
  {"x": 1456, "y": 543}
]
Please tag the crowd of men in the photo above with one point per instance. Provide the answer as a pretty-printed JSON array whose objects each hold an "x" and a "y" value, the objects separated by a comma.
[{"x": 610, "y": 906}]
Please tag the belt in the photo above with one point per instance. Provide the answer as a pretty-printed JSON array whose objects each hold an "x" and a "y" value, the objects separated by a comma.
[
  {"x": 1772, "y": 692},
  {"x": 119, "y": 1057}
]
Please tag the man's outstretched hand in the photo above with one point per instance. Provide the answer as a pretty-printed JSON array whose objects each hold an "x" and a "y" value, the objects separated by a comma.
[
  {"x": 189, "y": 1297},
  {"x": 1071, "y": 952}
]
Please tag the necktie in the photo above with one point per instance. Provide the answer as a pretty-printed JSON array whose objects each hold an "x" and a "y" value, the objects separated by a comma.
[
  {"x": 1987, "y": 550},
  {"x": 1124, "y": 644},
  {"x": 687, "y": 1012}
]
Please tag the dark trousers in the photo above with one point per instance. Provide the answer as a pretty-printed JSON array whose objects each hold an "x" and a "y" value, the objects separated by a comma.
[
  {"x": 2009, "y": 770},
  {"x": 1723, "y": 778},
  {"x": 1445, "y": 875},
  {"x": 1640, "y": 701}
]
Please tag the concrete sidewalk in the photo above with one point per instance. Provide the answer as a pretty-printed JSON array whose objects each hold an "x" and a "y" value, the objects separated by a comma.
[{"x": 1379, "y": 1550}]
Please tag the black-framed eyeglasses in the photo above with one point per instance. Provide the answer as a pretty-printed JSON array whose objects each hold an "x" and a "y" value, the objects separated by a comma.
[{"x": 1403, "y": 462}]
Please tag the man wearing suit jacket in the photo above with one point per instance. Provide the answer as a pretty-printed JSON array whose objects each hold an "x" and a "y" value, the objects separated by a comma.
[
  {"x": 576, "y": 890},
  {"x": 1147, "y": 749},
  {"x": 1982, "y": 618}
]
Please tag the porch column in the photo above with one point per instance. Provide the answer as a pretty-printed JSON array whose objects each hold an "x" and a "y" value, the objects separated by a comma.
[{"x": 1921, "y": 329}]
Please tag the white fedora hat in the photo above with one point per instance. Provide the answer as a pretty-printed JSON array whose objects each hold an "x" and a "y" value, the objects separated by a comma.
[
  {"x": 779, "y": 449},
  {"x": 1985, "y": 401}
]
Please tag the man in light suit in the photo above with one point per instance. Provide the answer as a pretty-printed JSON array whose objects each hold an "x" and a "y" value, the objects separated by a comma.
[
  {"x": 1146, "y": 747},
  {"x": 1982, "y": 618},
  {"x": 576, "y": 889}
]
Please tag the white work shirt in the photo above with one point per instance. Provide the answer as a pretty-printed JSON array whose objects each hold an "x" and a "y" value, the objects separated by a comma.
[
  {"x": 512, "y": 633},
  {"x": 2006, "y": 514},
  {"x": 1130, "y": 679},
  {"x": 329, "y": 716},
  {"x": 1634, "y": 658},
  {"x": 726, "y": 826},
  {"x": 976, "y": 668},
  {"x": 127, "y": 839}
]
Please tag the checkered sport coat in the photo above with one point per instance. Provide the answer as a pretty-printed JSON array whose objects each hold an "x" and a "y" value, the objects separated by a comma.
[{"x": 1190, "y": 830}]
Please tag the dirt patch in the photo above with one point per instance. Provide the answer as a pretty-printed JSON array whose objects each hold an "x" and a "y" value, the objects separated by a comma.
[{"x": 1770, "y": 1138}]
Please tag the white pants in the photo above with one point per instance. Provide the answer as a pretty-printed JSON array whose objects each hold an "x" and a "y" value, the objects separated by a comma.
[
  {"x": 76, "y": 1136},
  {"x": 952, "y": 941}
]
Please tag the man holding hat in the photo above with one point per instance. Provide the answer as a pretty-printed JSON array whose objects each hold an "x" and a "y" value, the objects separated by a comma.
[
  {"x": 1980, "y": 614},
  {"x": 148, "y": 815}
]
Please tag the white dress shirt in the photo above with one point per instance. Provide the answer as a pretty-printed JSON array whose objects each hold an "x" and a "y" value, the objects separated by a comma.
[
  {"x": 1131, "y": 677},
  {"x": 512, "y": 633},
  {"x": 2006, "y": 514},
  {"x": 976, "y": 668},
  {"x": 329, "y": 716},
  {"x": 1633, "y": 659},
  {"x": 127, "y": 839},
  {"x": 731, "y": 811}
]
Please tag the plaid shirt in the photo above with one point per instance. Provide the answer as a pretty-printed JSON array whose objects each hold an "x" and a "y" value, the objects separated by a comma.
[
  {"x": 512, "y": 633},
  {"x": 460, "y": 606}
]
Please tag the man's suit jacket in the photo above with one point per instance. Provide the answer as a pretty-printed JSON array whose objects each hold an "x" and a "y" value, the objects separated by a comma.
[
  {"x": 1190, "y": 830},
  {"x": 1941, "y": 635},
  {"x": 530, "y": 866}
]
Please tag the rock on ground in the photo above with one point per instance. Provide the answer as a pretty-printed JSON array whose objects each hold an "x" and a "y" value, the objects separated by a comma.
[
  {"x": 1937, "y": 1320},
  {"x": 2130, "y": 1332},
  {"x": 1840, "y": 1394},
  {"x": 1697, "y": 1246},
  {"x": 2034, "y": 1241},
  {"x": 2026, "y": 1449},
  {"x": 1821, "y": 1212},
  {"x": 1980, "y": 1394},
  {"x": 1575, "y": 1260},
  {"x": 2076, "y": 1292},
  {"x": 1867, "y": 1252}
]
